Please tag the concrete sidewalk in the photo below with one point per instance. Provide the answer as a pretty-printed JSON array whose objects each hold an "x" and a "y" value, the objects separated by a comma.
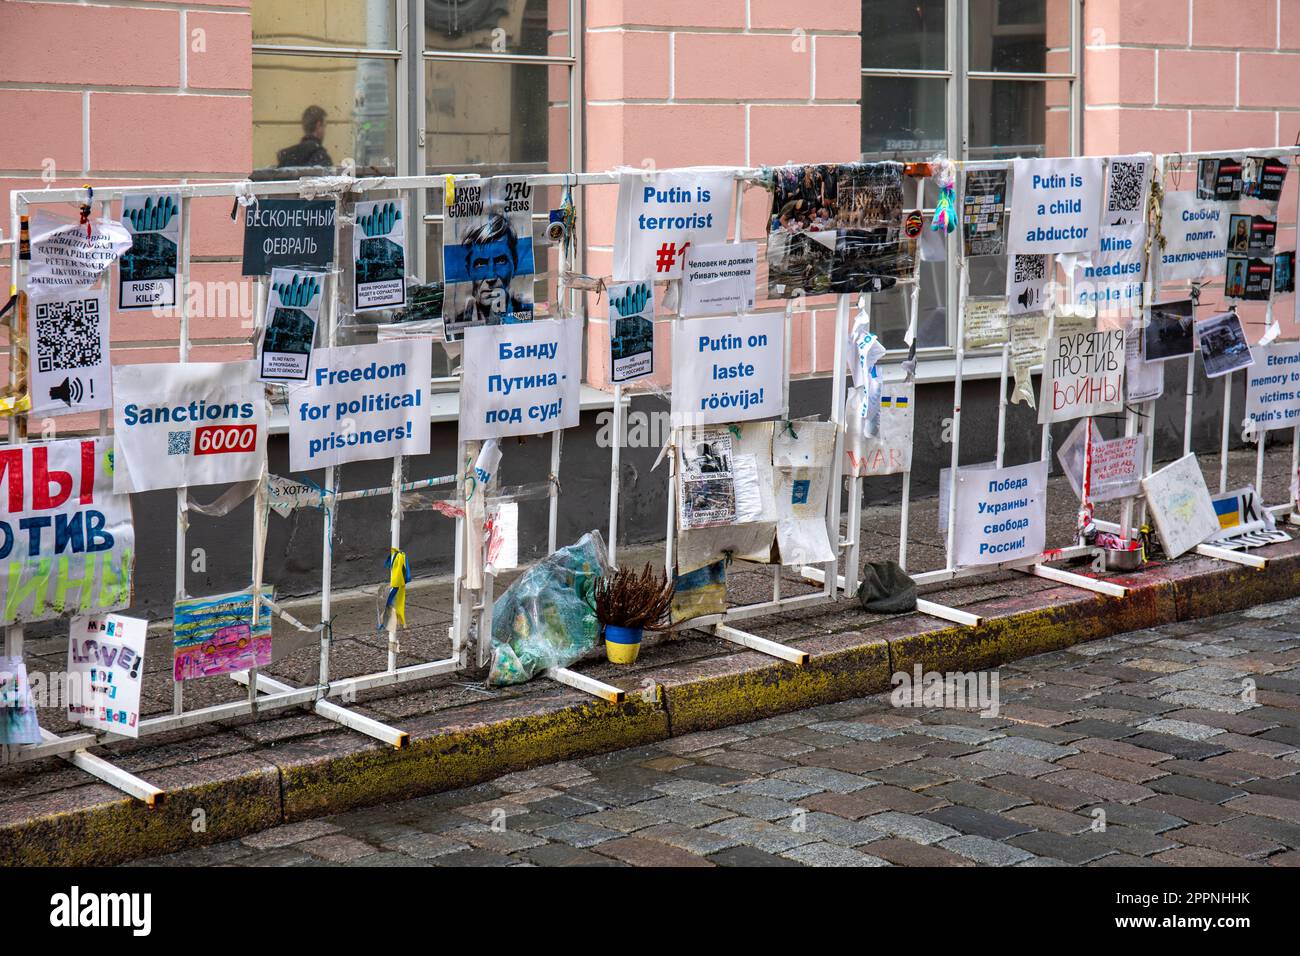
[{"x": 248, "y": 775}]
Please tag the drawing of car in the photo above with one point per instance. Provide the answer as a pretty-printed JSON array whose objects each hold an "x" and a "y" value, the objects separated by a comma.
[{"x": 233, "y": 636}]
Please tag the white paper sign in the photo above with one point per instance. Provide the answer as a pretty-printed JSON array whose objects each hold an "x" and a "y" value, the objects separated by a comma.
[
  {"x": 1273, "y": 386},
  {"x": 69, "y": 364},
  {"x": 361, "y": 402},
  {"x": 520, "y": 379},
  {"x": 1196, "y": 237},
  {"x": 1180, "y": 504},
  {"x": 662, "y": 215},
  {"x": 719, "y": 279},
  {"x": 1083, "y": 374},
  {"x": 728, "y": 369},
  {"x": 1056, "y": 205},
  {"x": 1116, "y": 464},
  {"x": 184, "y": 424},
  {"x": 379, "y": 255},
  {"x": 1110, "y": 279},
  {"x": 1027, "y": 278},
  {"x": 1001, "y": 514},
  {"x": 106, "y": 661},
  {"x": 65, "y": 258},
  {"x": 889, "y": 450}
]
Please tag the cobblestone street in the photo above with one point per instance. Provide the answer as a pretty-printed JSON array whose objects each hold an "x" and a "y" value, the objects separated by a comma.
[{"x": 1175, "y": 746}]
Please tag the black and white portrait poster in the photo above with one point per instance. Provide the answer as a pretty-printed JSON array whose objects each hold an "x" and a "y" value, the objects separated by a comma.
[{"x": 487, "y": 255}]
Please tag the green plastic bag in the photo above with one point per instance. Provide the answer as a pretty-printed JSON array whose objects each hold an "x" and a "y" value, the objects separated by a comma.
[{"x": 547, "y": 618}]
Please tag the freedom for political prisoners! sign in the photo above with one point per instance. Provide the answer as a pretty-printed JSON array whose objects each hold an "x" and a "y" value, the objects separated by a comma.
[
  {"x": 1273, "y": 386},
  {"x": 183, "y": 424},
  {"x": 361, "y": 402},
  {"x": 728, "y": 369},
  {"x": 660, "y": 215},
  {"x": 1196, "y": 237},
  {"x": 520, "y": 379},
  {"x": 1056, "y": 205},
  {"x": 1083, "y": 374},
  {"x": 288, "y": 232},
  {"x": 67, "y": 544},
  {"x": 1001, "y": 514}
]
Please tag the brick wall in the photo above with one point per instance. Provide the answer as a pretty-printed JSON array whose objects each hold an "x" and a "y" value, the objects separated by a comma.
[
  {"x": 743, "y": 82},
  {"x": 120, "y": 94}
]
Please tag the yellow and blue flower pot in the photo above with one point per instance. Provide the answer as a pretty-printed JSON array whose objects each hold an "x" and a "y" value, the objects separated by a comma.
[{"x": 622, "y": 644}]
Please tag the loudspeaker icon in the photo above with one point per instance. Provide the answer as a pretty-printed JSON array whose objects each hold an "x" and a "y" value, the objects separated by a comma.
[{"x": 70, "y": 391}]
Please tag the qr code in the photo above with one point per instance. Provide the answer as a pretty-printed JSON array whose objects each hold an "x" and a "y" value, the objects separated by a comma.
[
  {"x": 1030, "y": 268},
  {"x": 178, "y": 443},
  {"x": 1126, "y": 185},
  {"x": 68, "y": 335}
]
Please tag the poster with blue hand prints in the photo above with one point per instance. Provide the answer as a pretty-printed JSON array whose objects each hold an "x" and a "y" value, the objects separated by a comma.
[
  {"x": 631, "y": 330},
  {"x": 379, "y": 255},
  {"x": 295, "y": 311},
  {"x": 147, "y": 271}
]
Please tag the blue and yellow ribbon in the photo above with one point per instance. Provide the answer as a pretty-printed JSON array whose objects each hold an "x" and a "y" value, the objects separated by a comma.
[{"x": 399, "y": 576}]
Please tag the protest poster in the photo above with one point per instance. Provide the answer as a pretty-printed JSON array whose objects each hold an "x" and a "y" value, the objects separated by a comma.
[
  {"x": 146, "y": 275},
  {"x": 182, "y": 424},
  {"x": 1218, "y": 180},
  {"x": 379, "y": 255},
  {"x": 1170, "y": 331},
  {"x": 752, "y": 531},
  {"x": 18, "y": 723},
  {"x": 106, "y": 664},
  {"x": 662, "y": 214},
  {"x": 837, "y": 228},
  {"x": 1110, "y": 278},
  {"x": 69, "y": 365},
  {"x": 728, "y": 369},
  {"x": 1283, "y": 273},
  {"x": 1027, "y": 280},
  {"x": 1056, "y": 205},
  {"x": 1273, "y": 387},
  {"x": 293, "y": 233},
  {"x": 708, "y": 488},
  {"x": 986, "y": 322},
  {"x": 520, "y": 379},
  {"x": 1249, "y": 279},
  {"x": 802, "y": 483},
  {"x": 1116, "y": 463},
  {"x": 361, "y": 402},
  {"x": 1196, "y": 237},
  {"x": 1083, "y": 374},
  {"x": 487, "y": 255},
  {"x": 1251, "y": 235},
  {"x": 719, "y": 279},
  {"x": 216, "y": 635},
  {"x": 1180, "y": 504},
  {"x": 1262, "y": 177},
  {"x": 1027, "y": 335},
  {"x": 889, "y": 450},
  {"x": 1244, "y": 522},
  {"x": 1001, "y": 514},
  {"x": 631, "y": 330},
  {"x": 1143, "y": 381},
  {"x": 284, "y": 354},
  {"x": 983, "y": 207},
  {"x": 1224, "y": 348},
  {"x": 65, "y": 259},
  {"x": 67, "y": 543}
]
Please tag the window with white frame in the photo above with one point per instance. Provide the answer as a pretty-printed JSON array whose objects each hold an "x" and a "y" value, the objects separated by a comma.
[{"x": 973, "y": 80}]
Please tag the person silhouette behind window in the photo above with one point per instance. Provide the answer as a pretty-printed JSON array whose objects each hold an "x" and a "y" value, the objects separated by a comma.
[{"x": 310, "y": 150}]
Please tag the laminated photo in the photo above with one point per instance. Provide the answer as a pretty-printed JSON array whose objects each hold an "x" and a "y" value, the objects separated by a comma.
[
  {"x": 68, "y": 348},
  {"x": 631, "y": 330},
  {"x": 1170, "y": 331},
  {"x": 1249, "y": 278},
  {"x": 18, "y": 723},
  {"x": 1262, "y": 177},
  {"x": 379, "y": 255},
  {"x": 1251, "y": 235},
  {"x": 147, "y": 271},
  {"x": 1224, "y": 347},
  {"x": 1218, "y": 180},
  {"x": 1284, "y": 273},
  {"x": 983, "y": 208},
  {"x": 487, "y": 255},
  {"x": 285, "y": 352}
]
